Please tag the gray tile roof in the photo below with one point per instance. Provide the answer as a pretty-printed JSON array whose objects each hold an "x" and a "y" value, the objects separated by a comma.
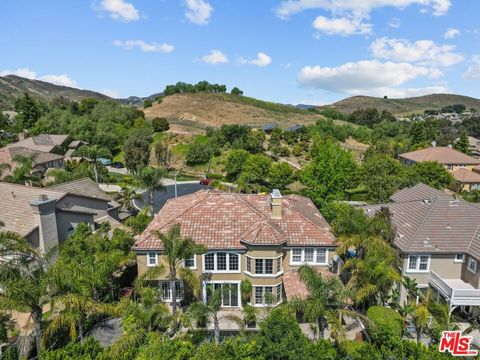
[
  {"x": 82, "y": 187},
  {"x": 429, "y": 221},
  {"x": 44, "y": 142}
]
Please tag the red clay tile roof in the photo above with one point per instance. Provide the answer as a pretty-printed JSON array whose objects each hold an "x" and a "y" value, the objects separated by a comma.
[
  {"x": 442, "y": 154},
  {"x": 294, "y": 287},
  {"x": 466, "y": 176},
  {"x": 229, "y": 220}
]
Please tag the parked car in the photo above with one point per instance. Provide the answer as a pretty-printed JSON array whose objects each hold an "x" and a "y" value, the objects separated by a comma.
[
  {"x": 205, "y": 181},
  {"x": 117, "y": 165},
  {"x": 105, "y": 161}
]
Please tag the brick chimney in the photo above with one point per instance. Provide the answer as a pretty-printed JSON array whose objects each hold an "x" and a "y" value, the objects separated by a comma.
[
  {"x": 44, "y": 211},
  {"x": 276, "y": 204}
]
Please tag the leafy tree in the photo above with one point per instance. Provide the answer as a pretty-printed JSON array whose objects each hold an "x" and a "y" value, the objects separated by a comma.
[
  {"x": 163, "y": 153},
  {"x": 147, "y": 103},
  {"x": 281, "y": 337},
  {"x": 137, "y": 151},
  {"x": 160, "y": 124},
  {"x": 417, "y": 133},
  {"x": 236, "y": 91},
  {"x": 198, "y": 153},
  {"x": 23, "y": 171},
  {"x": 149, "y": 178},
  {"x": 88, "y": 349},
  {"x": 175, "y": 249},
  {"x": 431, "y": 173},
  {"x": 93, "y": 153},
  {"x": 463, "y": 144},
  {"x": 139, "y": 222},
  {"x": 382, "y": 176},
  {"x": 280, "y": 175},
  {"x": 256, "y": 168},
  {"x": 235, "y": 161},
  {"x": 28, "y": 111},
  {"x": 331, "y": 172}
]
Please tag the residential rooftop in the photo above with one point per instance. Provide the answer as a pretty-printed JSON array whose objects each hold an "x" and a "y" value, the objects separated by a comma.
[
  {"x": 44, "y": 142},
  {"x": 442, "y": 154},
  {"x": 221, "y": 220}
]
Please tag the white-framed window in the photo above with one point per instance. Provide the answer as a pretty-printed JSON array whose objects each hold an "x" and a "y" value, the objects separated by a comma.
[
  {"x": 190, "y": 262},
  {"x": 311, "y": 256},
  {"x": 221, "y": 261},
  {"x": 152, "y": 259},
  {"x": 264, "y": 266},
  {"x": 268, "y": 295},
  {"x": 166, "y": 291},
  {"x": 459, "y": 258},
  {"x": 472, "y": 265},
  {"x": 230, "y": 292},
  {"x": 418, "y": 263}
]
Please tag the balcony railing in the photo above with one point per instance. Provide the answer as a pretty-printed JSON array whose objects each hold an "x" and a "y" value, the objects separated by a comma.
[{"x": 455, "y": 291}]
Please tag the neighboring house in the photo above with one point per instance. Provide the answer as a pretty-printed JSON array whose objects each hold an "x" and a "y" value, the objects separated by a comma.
[
  {"x": 46, "y": 151},
  {"x": 439, "y": 240},
  {"x": 41, "y": 160},
  {"x": 263, "y": 238},
  {"x": 445, "y": 155},
  {"x": 459, "y": 164},
  {"x": 268, "y": 128},
  {"x": 294, "y": 128},
  {"x": 46, "y": 216}
]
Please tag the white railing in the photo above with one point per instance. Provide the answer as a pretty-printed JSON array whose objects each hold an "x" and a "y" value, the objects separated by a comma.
[{"x": 455, "y": 296}]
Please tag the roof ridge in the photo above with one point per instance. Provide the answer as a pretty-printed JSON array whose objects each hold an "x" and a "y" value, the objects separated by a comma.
[
  {"x": 73, "y": 181},
  {"x": 421, "y": 224},
  {"x": 310, "y": 221}
]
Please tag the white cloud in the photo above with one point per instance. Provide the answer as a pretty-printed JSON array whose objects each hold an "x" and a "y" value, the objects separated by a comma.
[
  {"x": 359, "y": 9},
  {"x": 341, "y": 26},
  {"x": 451, "y": 33},
  {"x": 62, "y": 80},
  {"x": 394, "y": 23},
  {"x": 261, "y": 60},
  {"x": 215, "y": 57},
  {"x": 143, "y": 46},
  {"x": 112, "y": 93},
  {"x": 424, "y": 52},
  {"x": 22, "y": 72},
  {"x": 363, "y": 77},
  {"x": 119, "y": 10},
  {"x": 198, "y": 11},
  {"x": 473, "y": 71}
]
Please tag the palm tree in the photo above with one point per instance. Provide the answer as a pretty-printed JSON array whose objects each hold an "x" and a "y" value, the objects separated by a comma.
[
  {"x": 143, "y": 314},
  {"x": 200, "y": 310},
  {"x": 127, "y": 196},
  {"x": 326, "y": 303},
  {"x": 75, "y": 309},
  {"x": 149, "y": 178},
  {"x": 177, "y": 248},
  {"x": 24, "y": 280},
  {"x": 22, "y": 172},
  {"x": 94, "y": 152}
]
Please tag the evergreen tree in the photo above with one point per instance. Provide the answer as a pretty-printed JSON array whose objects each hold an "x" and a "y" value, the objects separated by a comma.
[
  {"x": 28, "y": 111},
  {"x": 417, "y": 133},
  {"x": 462, "y": 143}
]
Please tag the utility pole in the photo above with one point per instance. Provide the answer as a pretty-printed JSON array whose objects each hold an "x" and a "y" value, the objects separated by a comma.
[{"x": 176, "y": 173}]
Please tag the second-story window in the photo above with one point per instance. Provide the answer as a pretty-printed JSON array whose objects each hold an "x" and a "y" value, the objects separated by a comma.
[
  {"x": 221, "y": 262},
  {"x": 312, "y": 256},
  {"x": 472, "y": 265},
  {"x": 418, "y": 263},
  {"x": 190, "y": 262},
  {"x": 152, "y": 259}
]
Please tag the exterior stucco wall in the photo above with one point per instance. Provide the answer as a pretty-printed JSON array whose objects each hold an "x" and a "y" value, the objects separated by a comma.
[
  {"x": 79, "y": 203},
  {"x": 67, "y": 221},
  {"x": 470, "y": 277}
]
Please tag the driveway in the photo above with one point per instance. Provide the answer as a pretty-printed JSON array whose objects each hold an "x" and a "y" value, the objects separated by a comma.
[{"x": 161, "y": 197}]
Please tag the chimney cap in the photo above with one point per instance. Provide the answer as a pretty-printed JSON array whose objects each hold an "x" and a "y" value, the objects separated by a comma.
[{"x": 276, "y": 194}]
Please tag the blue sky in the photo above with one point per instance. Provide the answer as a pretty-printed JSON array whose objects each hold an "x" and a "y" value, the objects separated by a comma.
[{"x": 292, "y": 51}]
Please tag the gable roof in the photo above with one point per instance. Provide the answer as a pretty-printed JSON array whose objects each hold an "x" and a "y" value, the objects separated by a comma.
[
  {"x": 229, "y": 221},
  {"x": 432, "y": 222},
  {"x": 82, "y": 187},
  {"x": 442, "y": 154},
  {"x": 43, "y": 142}
]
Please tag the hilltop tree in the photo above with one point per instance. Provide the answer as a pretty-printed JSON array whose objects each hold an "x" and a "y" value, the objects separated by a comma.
[
  {"x": 462, "y": 143},
  {"x": 236, "y": 91}
]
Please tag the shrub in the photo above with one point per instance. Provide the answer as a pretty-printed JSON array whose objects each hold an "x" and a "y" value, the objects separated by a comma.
[
  {"x": 198, "y": 153},
  {"x": 147, "y": 103},
  {"x": 160, "y": 124}
]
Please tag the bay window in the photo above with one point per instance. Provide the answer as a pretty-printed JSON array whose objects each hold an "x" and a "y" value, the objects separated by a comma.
[
  {"x": 264, "y": 266},
  {"x": 311, "y": 256}
]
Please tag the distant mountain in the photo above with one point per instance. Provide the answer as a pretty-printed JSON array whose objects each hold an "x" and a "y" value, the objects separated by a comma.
[
  {"x": 12, "y": 87},
  {"x": 403, "y": 106},
  {"x": 304, "y": 106},
  {"x": 138, "y": 101}
]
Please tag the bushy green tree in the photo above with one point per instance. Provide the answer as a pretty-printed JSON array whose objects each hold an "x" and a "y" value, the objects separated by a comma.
[
  {"x": 236, "y": 91},
  {"x": 28, "y": 111},
  {"x": 430, "y": 173},
  {"x": 235, "y": 161},
  {"x": 198, "y": 153},
  {"x": 137, "y": 150},
  {"x": 331, "y": 172},
  {"x": 462, "y": 143},
  {"x": 256, "y": 168},
  {"x": 280, "y": 175},
  {"x": 160, "y": 124}
]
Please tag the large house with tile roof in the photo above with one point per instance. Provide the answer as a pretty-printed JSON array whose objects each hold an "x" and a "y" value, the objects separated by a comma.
[
  {"x": 46, "y": 216},
  {"x": 263, "y": 238},
  {"x": 438, "y": 237}
]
